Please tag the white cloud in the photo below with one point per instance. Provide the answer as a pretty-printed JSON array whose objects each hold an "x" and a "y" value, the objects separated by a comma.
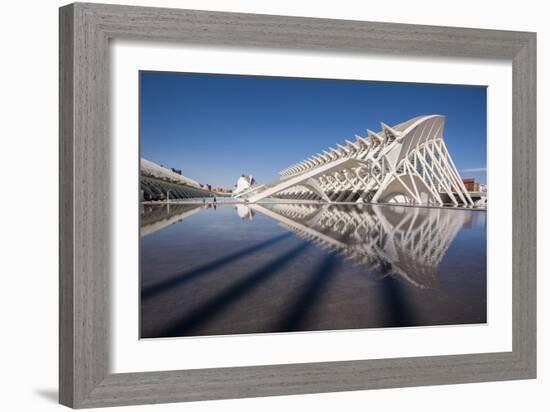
[{"x": 475, "y": 169}]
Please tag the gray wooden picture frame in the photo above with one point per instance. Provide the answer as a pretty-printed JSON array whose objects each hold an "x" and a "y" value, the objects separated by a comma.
[{"x": 85, "y": 32}]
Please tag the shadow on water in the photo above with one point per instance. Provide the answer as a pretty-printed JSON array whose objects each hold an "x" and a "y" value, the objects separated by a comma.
[
  {"x": 396, "y": 309},
  {"x": 319, "y": 281},
  {"x": 212, "y": 307},
  {"x": 181, "y": 278},
  {"x": 368, "y": 266}
]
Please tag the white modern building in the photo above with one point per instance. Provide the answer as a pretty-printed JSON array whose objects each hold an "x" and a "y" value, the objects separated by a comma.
[
  {"x": 148, "y": 168},
  {"x": 160, "y": 183},
  {"x": 244, "y": 183},
  {"x": 408, "y": 163}
]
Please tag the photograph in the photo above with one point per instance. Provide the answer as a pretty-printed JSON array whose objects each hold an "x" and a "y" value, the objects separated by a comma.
[
  {"x": 275, "y": 206},
  {"x": 284, "y": 205}
]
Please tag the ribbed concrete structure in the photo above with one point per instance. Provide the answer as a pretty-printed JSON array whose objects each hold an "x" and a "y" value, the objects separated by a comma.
[
  {"x": 408, "y": 163},
  {"x": 159, "y": 183},
  {"x": 151, "y": 169}
]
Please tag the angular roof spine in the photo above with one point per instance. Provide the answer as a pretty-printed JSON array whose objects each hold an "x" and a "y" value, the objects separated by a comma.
[
  {"x": 375, "y": 136},
  {"x": 352, "y": 145}
]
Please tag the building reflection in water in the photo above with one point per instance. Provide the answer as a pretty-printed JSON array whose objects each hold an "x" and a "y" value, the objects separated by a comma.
[
  {"x": 284, "y": 267},
  {"x": 244, "y": 211},
  {"x": 397, "y": 240},
  {"x": 155, "y": 217}
]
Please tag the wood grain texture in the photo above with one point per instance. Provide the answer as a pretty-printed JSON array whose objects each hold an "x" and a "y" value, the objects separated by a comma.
[
  {"x": 524, "y": 208},
  {"x": 66, "y": 109},
  {"x": 85, "y": 31}
]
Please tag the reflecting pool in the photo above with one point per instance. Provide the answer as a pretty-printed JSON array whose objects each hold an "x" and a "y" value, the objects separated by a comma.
[{"x": 263, "y": 268}]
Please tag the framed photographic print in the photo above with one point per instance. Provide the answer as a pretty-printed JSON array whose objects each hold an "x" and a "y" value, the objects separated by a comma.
[{"x": 257, "y": 205}]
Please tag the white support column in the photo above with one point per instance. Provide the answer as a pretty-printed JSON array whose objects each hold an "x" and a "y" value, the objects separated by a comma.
[{"x": 450, "y": 159}]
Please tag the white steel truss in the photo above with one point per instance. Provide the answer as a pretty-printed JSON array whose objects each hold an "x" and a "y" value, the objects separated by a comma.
[{"x": 408, "y": 163}]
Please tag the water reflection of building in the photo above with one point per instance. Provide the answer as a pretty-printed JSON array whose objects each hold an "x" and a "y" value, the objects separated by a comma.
[
  {"x": 398, "y": 240},
  {"x": 156, "y": 217},
  {"x": 244, "y": 211},
  {"x": 408, "y": 242}
]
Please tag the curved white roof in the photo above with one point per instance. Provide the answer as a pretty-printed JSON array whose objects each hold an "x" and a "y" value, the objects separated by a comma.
[
  {"x": 152, "y": 169},
  {"x": 406, "y": 163},
  {"x": 404, "y": 129}
]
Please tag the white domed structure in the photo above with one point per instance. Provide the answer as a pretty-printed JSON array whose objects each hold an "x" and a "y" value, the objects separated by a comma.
[{"x": 244, "y": 183}]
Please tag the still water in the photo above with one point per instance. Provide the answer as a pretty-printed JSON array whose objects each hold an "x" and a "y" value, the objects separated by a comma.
[{"x": 267, "y": 268}]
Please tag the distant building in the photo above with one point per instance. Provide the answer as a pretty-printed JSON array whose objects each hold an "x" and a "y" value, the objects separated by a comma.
[
  {"x": 151, "y": 169},
  {"x": 471, "y": 184},
  {"x": 244, "y": 183},
  {"x": 159, "y": 183},
  {"x": 206, "y": 186},
  {"x": 222, "y": 190}
]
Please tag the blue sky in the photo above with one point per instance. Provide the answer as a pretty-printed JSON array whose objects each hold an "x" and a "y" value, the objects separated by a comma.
[{"x": 215, "y": 127}]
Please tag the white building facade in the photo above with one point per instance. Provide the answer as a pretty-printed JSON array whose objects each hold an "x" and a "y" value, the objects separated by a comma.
[{"x": 408, "y": 164}]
